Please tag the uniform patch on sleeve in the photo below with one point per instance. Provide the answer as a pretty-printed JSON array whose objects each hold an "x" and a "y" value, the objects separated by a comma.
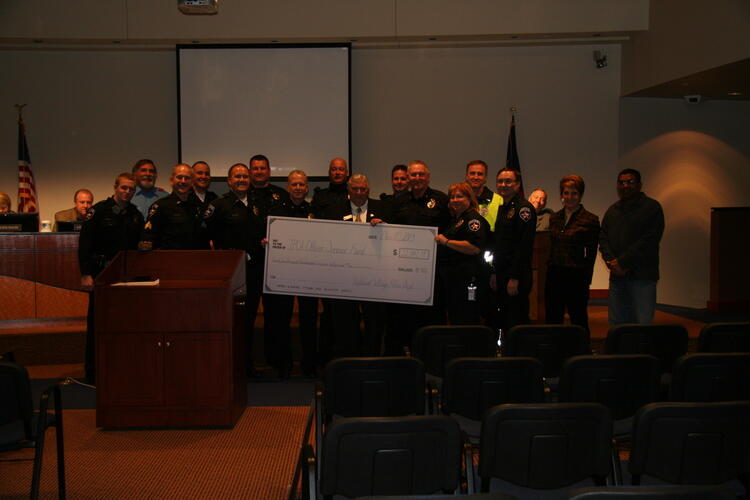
[
  {"x": 431, "y": 203},
  {"x": 525, "y": 214},
  {"x": 90, "y": 213},
  {"x": 208, "y": 212},
  {"x": 474, "y": 225}
]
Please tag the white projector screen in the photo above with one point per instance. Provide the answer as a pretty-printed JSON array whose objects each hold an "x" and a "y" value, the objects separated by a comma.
[{"x": 288, "y": 102}]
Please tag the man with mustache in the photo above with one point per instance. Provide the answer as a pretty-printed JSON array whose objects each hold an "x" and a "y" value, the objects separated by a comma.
[{"x": 146, "y": 192}]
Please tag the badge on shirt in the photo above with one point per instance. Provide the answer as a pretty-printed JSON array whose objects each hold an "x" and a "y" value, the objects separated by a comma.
[
  {"x": 276, "y": 196},
  {"x": 255, "y": 210},
  {"x": 525, "y": 214},
  {"x": 209, "y": 212},
  {"x": 511, "y": 212},
  {"x": 431, "y": 203},
  {"x": 474, "y": 225},
  {"x": 153, "y": 209},
  {"x": 148, "y": 226}
]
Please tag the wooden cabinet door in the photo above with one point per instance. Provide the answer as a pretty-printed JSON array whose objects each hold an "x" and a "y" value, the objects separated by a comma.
[
  {"x": 130, "y": 369},
  {"x": 197, "y": 368}
]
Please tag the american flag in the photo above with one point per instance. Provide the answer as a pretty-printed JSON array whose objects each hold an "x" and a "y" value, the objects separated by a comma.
[{"x": 26, "y": 187}]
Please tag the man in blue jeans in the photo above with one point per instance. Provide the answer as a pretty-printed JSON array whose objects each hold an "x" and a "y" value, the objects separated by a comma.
[{"x": 629, "y": 241}]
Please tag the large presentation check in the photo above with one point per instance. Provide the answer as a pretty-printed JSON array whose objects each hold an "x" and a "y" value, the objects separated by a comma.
[{"x": 349, "y": 260}]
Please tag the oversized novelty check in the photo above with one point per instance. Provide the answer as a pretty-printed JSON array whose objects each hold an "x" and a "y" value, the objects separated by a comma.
[{"x": 349, "y": 260}]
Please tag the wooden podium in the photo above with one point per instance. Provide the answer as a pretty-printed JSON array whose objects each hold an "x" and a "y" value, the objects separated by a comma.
[{"x": 172, "y": 354}]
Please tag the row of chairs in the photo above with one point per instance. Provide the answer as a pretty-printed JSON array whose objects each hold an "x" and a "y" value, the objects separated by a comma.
[{"x": 550, "y": 448}]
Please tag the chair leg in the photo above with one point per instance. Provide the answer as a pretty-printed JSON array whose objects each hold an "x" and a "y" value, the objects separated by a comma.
[
  {"x": 615, "y": 464},
  {"x": 469, "y": 459},
  {"x": 60, "y": 445},
  {"x": 38, "y": 454}
]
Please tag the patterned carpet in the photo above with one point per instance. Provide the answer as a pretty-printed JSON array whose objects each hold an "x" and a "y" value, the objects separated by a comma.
[{"x": 255, "y": 460}]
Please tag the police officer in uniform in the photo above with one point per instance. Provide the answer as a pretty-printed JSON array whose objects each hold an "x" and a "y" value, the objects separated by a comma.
[
  {"x": 201, "y": 183},
  {"x": 176, "y": 222},
  {"x": 421, "y": 206},
  {"x": 298, "y": 188},
  {"x": 110, "y": 226},
  {"x": 233, "y": 223},
  {"x": 460, "y": 264},
  {"x": 270, "y": 200},
  {"x": 515, "y": 228}
]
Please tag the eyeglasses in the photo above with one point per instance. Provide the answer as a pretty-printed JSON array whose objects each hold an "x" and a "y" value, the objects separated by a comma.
[{"x": 625, "y": 182}]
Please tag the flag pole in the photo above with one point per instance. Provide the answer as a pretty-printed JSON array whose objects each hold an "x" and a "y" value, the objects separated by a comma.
[{"x": 19, "y": 109}]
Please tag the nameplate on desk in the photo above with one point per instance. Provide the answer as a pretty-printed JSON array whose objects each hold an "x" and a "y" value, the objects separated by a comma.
[{"x": 349, "y": 260}]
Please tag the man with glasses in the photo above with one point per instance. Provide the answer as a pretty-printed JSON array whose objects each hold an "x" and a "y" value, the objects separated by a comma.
[
  {"x": 629, "y": 241},
  {"x": 515, "y": 228}
]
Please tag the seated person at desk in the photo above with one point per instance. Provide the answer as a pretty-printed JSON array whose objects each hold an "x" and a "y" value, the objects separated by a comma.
[
  {"x": 82, "y": 201},
  {"x": 5, "y": 204}
]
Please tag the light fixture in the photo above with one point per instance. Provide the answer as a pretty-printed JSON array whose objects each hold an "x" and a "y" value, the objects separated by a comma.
[{"x": 600, "y": 59}]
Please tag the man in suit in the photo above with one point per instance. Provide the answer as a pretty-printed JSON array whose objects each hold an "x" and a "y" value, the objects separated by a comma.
[
  {"x": 82, "y": 201},
  {"x": 348, "y": 339}
]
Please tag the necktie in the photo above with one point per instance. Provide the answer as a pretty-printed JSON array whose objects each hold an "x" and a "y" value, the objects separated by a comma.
[{"x": 358, "y": 218}]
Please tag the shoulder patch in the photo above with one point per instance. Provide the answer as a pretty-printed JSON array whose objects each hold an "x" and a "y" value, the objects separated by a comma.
[
  {"x": 208, "y": 212},
  {"x": 525, "y": 214},
  {"x": 474, "y": 225}
]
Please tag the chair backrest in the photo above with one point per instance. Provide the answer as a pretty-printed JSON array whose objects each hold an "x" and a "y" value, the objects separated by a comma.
[
  {"x": 550, "y": 344},
  {"x": 472, "y": 385},
  {"x": 691, "y": 443},
  {"x": 437, "y": 344},
  {"x": 15, "y": 396},
  {"x": 374, "y": 387},
  {"x": 652, "y": 493},
  {"x": 545, "y": 445},
  {"x": 415, "y": 455},
  {"x": 711, "y": 377},
  {"x": 621, "y": 382},
  {"x": 725, "y": 337},
  {"x": 666, "y": 342}
]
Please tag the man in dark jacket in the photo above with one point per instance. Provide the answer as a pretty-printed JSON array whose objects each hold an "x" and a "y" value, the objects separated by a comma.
[{"x": 629, "y": 241}]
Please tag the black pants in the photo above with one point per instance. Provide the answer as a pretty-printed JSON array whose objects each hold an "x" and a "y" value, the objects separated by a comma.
[
  {"x": 278, "y": 310},
  {"x": 453, "y": 280},
  {"x": 254, "y": 287},
  {"x": 349, "y": 339},
  {"x": 513, "y": 310},
  {"x": 567, "y": 287}
]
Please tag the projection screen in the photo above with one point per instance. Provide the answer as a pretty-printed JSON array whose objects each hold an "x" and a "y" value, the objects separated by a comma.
[{"x": 288, "y": 102}]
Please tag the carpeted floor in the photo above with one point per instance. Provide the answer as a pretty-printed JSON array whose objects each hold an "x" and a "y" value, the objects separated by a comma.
[{"x": 255, "y": 460}]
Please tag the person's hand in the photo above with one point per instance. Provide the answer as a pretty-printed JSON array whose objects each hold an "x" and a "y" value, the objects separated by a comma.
[
  {"x": 87, "y": 282},
  {"x": 264, "y": 242},
  {"x": 614, "y": 268},
  {"x": 493, "y": 282},
  {"x": 375, "y": 221},
  {"x": 441, "y": 239},
  {"x": 512, "y": 287}
]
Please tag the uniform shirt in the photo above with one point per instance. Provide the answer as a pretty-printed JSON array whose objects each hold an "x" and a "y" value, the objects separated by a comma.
[
  {"x": 108, "y": 228},
  {"x": 573, "y": 244},
  {"x": 469, "y": 226},
  {"x": 208, "y": 197},
  {"x": 515, "y": 228},
  {"x": 301, "y": 211},
  {"x": 326, "y": 200},
  {"x": 144, "y": 199},
  {"x": 232, "y": 225},
  {"x": 631, "y": 232},
  {"x": 270, "y": 200},
  {"x": 428, "y": 210},
  {"x": 174, "y": 224}
]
